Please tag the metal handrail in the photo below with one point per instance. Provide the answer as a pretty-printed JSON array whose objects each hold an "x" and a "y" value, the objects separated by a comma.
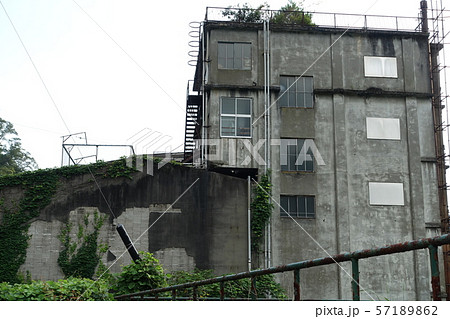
[
  {"x": 430, "y": 243},
  {"x": 329, "y": 19}
]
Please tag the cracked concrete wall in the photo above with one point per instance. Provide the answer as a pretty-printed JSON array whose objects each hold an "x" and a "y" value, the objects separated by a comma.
[{"x": 206, "y": 228}]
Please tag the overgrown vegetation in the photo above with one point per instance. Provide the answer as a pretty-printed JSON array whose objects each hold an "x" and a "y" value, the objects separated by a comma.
[
  {"x": 38, "y": 189},
  {"x": 70, "y": 289},
  {"x": 265, "y": 286},
  {"x": 246, "y": 13},
  {"x": 138, "y": 276},
  {"x": 81, "y": 257},
  {"x": 143, "y": 274},
  {"x": 291, "y": 13},
  {"x": 261, "y": 208}
]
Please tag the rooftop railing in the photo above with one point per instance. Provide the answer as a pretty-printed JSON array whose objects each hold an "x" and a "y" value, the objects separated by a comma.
[{"x": 321, "y": 19}]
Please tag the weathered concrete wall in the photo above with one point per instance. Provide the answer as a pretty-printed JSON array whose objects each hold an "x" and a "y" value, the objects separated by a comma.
[
  {"x": 343, "y": 99},
  {"x": 206, "y": 228}
]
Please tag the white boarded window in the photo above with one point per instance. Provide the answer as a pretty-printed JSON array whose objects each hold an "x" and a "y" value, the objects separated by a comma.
[
  {"x": 381, "y": 67},
  {"x": 386, "y": 194},
  {"x": 383, "y": 128}
]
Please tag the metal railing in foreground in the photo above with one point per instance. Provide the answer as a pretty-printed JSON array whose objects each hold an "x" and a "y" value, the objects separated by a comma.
[{"x": 431, "y": 244}]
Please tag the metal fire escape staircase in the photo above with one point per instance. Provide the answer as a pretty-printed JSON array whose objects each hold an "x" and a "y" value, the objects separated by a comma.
[{"x": 193, "y": 122}]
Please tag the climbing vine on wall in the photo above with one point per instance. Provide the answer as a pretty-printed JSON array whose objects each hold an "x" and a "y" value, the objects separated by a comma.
[
  {"x": 80, "y": 257},
  {"x": 39, "y": 188},
  {"x": 261, "y": 209}
]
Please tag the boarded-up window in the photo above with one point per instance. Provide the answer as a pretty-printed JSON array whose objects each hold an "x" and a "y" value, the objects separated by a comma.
[
  {"x": 383, "y": 128},
  {"x": 386, "y": 194}
]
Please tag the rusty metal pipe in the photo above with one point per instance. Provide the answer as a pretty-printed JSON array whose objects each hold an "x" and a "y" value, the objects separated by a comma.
[{"x": 360, "y": 254}]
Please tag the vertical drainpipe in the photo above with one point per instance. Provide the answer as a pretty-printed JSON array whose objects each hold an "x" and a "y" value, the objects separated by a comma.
[
  {"x": 266, "y": 149},
  {"x": 203, "y": 137},
  {"x": 267, "y": 127},
  {"x": 269, "y": 230},
  {"x": 249, "y": 228}
]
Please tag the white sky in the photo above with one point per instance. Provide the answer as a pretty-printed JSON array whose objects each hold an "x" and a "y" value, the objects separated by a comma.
[{"x": 97, "y": 88}]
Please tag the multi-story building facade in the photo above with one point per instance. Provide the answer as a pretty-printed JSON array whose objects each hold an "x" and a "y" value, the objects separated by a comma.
[{"x": 342, "y": 119}]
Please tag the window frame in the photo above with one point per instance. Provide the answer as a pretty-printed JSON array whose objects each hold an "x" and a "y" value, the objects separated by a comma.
[
  {"x": 297, "y": 213},
  {"x": 245, "y": 61},
  {"x": 383, "y": 60},
  {"x": 297, "y": 154},
  {"x": 236, "y": 116},
  {"x": 296, "y": 91}
]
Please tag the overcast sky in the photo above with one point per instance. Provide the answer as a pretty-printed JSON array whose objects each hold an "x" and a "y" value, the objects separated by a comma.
[{"x": 96, "y": 87}]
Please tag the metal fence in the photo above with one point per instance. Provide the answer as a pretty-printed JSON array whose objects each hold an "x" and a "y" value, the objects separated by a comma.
[
  {"x": 431, "y": 244},
  {"x": 329, "y": 20}
]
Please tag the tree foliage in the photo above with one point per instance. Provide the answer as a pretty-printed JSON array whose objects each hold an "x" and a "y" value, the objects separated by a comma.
[
  {"x": 291, "y": 13},
  {"x": 13, "y": 158},
  {"x": 245, "y": 13}
]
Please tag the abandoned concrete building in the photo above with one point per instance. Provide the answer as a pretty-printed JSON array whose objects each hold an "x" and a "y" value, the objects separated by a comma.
[{"x": 344, "y": 118}]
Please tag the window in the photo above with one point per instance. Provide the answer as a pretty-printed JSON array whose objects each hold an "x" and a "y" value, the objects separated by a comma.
[
  {"x": 297, "y": 206},
  {"x": 296, "y": 92},
  {"x": 235, "y": 56},
  {"x": 386, "y": 194},
  {"x": 235, "y": 117},
  {"x": 381, "y": 67},
  {"x": 296, "y": 155},
  {"x": 383, "y": 128}
]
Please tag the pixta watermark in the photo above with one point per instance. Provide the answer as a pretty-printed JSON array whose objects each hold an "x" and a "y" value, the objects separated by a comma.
[{"x": 145, "y": 142}]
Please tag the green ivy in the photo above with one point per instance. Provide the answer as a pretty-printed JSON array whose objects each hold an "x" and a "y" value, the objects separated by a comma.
[
  {"x": 39, "y": 187},
  {"x": 81, "y": 258},
  {"x": 261, "y": 208}
]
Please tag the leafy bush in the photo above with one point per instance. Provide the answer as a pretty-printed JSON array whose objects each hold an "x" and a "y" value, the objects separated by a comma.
[
  {"x": 65, "y": 289},
  {"x": 245, "y": 14},
  {"x": 141, "y": 275},
  {"x": 265, "y": 286},
  {"x": 292, "y": 13}
]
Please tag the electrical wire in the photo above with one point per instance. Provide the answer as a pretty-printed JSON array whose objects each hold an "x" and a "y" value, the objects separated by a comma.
[
  {"x": 54, "y": 102},
  {"x": 311, "y": 65},
  {"x": 312, "y": 238},
  {"x": 132, "y": 59}
]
